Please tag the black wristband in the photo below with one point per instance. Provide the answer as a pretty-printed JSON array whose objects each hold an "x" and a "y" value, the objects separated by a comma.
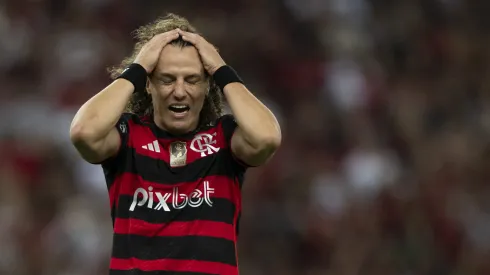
[
  {"x": 136, "y": 74},
  {"x": 226, "y": 75}
]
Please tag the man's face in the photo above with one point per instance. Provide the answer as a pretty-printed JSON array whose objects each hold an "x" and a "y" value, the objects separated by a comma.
[{"x": 178, "y": 87}]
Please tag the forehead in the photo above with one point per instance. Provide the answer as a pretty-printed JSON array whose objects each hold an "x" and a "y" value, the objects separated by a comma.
[{"x": 179, "y": 61}]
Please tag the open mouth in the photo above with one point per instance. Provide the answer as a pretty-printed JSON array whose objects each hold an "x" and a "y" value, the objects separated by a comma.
[{"x": 179, "y": 108}]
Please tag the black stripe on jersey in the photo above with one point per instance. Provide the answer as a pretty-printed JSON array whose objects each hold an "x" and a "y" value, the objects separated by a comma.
[
  {"x": 179, "y": 248},
  {"x": 141, "y": 272},
  {"x": 237, "y": 226},
  {"x": 158, "y": 171},
  {"x": 222, "y": 211}
]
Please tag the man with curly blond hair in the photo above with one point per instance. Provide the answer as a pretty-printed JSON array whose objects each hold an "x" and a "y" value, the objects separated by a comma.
[{"x": 174, "y": 164}]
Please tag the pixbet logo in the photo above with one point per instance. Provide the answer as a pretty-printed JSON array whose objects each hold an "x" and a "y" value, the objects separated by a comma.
[
  {"x": 203, "y": 143},
  {"x": 195, "y": 199}
]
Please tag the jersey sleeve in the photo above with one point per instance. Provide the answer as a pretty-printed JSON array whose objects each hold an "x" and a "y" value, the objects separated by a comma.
[
  {"x": 123, "y": 128},
  {"x": 229, "y": 126}
]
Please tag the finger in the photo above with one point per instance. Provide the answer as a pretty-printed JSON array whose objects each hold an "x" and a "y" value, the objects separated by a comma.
[
  {"x": 188, "y": 34},
  {"x": 162, "y": 39},
  {"x": 163, "y": 36},
  {"x": 189, "y": 37},
  {"x": 167, "y": 36}
]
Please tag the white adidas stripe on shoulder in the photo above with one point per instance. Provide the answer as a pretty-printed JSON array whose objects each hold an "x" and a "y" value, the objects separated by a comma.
[{"x": 152, "y": 146}]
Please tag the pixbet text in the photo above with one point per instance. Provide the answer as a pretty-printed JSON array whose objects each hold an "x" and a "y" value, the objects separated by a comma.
[{"x": 160, "y": 201}]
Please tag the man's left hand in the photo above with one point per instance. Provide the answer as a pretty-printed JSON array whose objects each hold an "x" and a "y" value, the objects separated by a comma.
[{"x": 211, "y": 59}]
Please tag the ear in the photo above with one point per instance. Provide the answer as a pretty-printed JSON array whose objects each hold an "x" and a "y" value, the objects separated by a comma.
[
  {"x": 148, "y": 85},
  {"x": 208, "y": 88}
]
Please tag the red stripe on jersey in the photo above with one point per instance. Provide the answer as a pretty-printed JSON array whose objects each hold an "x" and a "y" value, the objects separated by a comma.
[
  {"x": 173, "y": 265},
  {"x": 175, "y": 228},
  {"x": 205, "y": 143}
]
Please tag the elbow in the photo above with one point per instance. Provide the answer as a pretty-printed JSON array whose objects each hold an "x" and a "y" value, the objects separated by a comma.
[
  {"x": 256, "y": 150},
  {"x": 264, "y": 152},
  {"x": 79, "y": 133},
  {"x": 270, "y": 142},
  {"x": 273, "y": 142}
]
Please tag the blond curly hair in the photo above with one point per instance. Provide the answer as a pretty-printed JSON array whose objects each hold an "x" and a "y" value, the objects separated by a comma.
[{"x": 141, "y": 103}]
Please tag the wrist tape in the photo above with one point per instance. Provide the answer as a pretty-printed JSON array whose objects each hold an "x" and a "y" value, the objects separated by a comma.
[
  {"x": 136, "y": 74},
  {"x": 226, "y": 75}
]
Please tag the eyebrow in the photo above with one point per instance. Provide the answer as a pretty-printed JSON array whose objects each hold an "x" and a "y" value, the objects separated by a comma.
[
  {"x": 193, "y": 76},
  {"x": 187, "y": 77},
  {"x": 163, "y": 75}
]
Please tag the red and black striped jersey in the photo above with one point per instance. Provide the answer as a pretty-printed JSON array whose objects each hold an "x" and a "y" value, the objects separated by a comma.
[{"x": 175, "y": 200}]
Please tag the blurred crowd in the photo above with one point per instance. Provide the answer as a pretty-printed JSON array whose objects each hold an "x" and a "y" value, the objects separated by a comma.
[{"x": 384, "y": 107}]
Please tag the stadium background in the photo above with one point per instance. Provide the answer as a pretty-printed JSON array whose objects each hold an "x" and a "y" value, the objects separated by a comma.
[{"x": 385, "y": 112}]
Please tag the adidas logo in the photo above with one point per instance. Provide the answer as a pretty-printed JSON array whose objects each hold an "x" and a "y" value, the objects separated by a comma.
[{"x": 152, "y": 146}]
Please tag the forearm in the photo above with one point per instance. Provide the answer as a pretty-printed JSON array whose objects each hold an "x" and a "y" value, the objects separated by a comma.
[
  {"x": 258, "y": 125},
  {"x": 95, "y": 119}
]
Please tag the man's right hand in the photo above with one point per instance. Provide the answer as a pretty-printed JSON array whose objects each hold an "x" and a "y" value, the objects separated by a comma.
[{"x": 150, "y": 52}]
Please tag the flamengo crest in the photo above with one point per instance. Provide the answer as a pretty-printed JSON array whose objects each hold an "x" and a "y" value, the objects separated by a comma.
[{"x": 204, "y": 144}]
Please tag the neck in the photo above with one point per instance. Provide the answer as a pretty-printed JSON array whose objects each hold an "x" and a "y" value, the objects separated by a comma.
[{"x": 159, "y": 122}]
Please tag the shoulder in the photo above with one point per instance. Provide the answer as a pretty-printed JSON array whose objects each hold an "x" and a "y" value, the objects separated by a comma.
[
  {"x": 219, "y": 122},
  {"x": 228, "y": 125},
  {"x": 127, "y": 120},
  {"x": 226, "y": 119},
  {"x": 130, "y": 117},
  {"x": 225, "y": 123},
  {"x": 127, "y": 125}
]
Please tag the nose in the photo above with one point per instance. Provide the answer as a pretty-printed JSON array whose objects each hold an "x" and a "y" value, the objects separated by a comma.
[{"x": 179, "y": 91}]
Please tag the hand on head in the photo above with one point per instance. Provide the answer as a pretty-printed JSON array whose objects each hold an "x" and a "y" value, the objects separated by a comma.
[
  {"x": 150, "y": 52},
  {"x": 210, "y": 57}
]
